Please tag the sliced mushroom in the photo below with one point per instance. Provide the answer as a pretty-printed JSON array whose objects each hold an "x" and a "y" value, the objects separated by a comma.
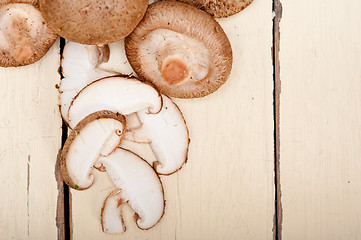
[
  {"x": 79, "y": 68},
  {"x": 220, "y": 8},
  {"x": 167, "y": 134},
  {"x": 180, "y": 49},
  {"x": 24, "y": 36},
  {"x": 119, "y": 94},
  {"x": 93, "y": 22},
  {"x": 99, "y": 134},
  {"x": 118, "y": 62},
  {"x": 140, "y": 187},
  {"x": 111, "y": 215}
]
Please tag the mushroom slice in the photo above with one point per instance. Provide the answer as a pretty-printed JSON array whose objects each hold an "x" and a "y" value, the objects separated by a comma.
[
  {"x": 111, "y": 216},
  {"x": 79, "y": 68},
  {"x": 181, "y": 58},
  {"x": 93, "y": 22},
  {"x": 220, "y": 8},
  {"x": 140, "y": 187},
  {"x": 24, "y": 36},
  {"x": 167, "y": 134},
  {"x": 99, "y": 134},
  {"x": 117, "y": 62},
  {"x": 119, "y": 94}
]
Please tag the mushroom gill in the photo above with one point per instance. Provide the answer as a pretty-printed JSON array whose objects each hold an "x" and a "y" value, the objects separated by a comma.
[
  {"x": 24, "y": 36},
  {"x": 180, "y": 49}
]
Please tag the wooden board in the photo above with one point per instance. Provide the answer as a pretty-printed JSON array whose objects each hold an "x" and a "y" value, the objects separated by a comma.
[
  {"x": 321, "y": 119},
  {"x": 30, "y": 130},
  {"x": 226, "y": 190}
]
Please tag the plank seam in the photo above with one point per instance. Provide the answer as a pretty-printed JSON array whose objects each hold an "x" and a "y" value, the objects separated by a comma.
[
  {"x": 63, "y": 206},
  {"x": 67, "y": 196},
  {"x": 278, "y": 216}
]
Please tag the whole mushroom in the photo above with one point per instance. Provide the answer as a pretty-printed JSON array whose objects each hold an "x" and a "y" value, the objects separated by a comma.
[
  {"x": 93, "y": 22},
  {"x": 180, "y": 49},
  {"x": 220, "y": 8}
]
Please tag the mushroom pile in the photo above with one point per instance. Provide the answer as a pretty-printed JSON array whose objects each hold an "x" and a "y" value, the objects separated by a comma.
[
  {"x": 122, "y": 62},
  {"x": 97, "y": 104}
]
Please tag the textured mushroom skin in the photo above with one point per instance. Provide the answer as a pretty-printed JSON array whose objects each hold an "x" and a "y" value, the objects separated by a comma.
[
  {"x": 220, "y": 8},
  {"x": 32, "y": 2},
  {"x": 93, "y": 22},
  {"x": 24, "y": 41},
  {"x": 191, "y": 22},
  {"x": 97, "y": 115}
]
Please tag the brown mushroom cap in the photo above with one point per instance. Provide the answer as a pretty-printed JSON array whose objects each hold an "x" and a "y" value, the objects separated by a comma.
[
  {"x": 32, "y": 2},
  {"x": 180, "y": 49},
  {"x": 93, "y": 22},
  {"x": 220, "y": 8},
  {"x": 24, "y": 36}
]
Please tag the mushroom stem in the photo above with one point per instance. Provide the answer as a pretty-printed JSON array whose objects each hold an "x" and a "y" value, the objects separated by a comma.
[
  {"x": 22, "y": 53},
  {"x": 175, "y": 70}
]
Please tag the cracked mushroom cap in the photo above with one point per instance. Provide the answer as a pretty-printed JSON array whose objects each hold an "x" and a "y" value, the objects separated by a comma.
[
  {"x": 24, "y": 35},
  {"x": 167, "y": 134},
  {"x": 99, "y": 134},
  {"x": 180, "y": 49},
  {"x": 140, "y": 187},
  {"x": 93, "y": 22},
  {"x": 220, "y": 8},
  {"x": 118, "y": 94}
]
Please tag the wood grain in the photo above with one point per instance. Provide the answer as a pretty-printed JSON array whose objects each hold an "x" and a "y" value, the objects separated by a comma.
[
  {"x": 30, "y": 127},
  {"x": 321, "y": 119},
  {"x": 226, "y": 190}
]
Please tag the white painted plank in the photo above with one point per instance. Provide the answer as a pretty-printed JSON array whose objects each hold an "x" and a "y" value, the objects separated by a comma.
[
  {"x": 226, "y": 189},
  {"x": 321, "y": 119},
  {"x": 30, "y": 130}
]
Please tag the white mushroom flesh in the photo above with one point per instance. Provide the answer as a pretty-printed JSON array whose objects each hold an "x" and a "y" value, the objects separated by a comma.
[
  {"x": 79, "y": 69},
  {"x": 167, "y": 134},
  {"x": 117, "y": 94},
  {"x": 140, "y": 185},
  {"x": 98, "y": 138},
  {"x": 112, "y": 222},
  {"x": 118, "y": 62},
  {"x": 162, "y": 47}
]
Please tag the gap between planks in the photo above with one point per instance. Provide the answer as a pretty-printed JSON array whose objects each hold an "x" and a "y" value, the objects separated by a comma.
[
  {"x": 278, "y": 216},
  {"x": 64, "y": 198}
]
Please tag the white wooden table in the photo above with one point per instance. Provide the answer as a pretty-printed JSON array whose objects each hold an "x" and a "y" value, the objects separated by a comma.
[{"x": 275, "y": 153}]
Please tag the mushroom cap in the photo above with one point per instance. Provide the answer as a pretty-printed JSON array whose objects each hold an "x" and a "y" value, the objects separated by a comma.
[
  {"x": 99, "y": 134},
  {"x": 167, "y": 134},
  {"x": 180, "y": 49},
  {"x": 93, "y": 22},
  {"x": 140, "y": 187},
  {"x": 120, "y": 94},
  {"x": 220, "y": 8},
  {"x": 24, "y": 35},
  {"x": 32, "y": 2}
]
